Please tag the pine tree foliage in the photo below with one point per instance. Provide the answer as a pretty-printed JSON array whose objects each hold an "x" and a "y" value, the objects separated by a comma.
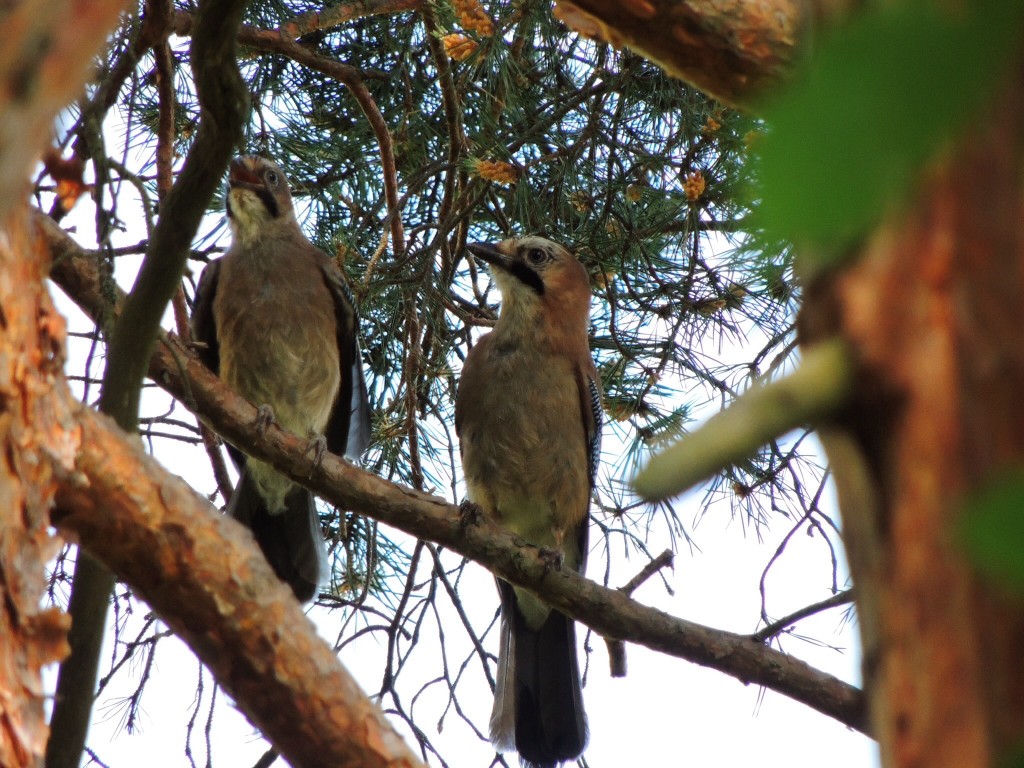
[{"x": 497, "y": 121}]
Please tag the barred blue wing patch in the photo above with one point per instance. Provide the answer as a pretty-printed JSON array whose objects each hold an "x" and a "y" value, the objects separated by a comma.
[{"x": 594, "y": 447}]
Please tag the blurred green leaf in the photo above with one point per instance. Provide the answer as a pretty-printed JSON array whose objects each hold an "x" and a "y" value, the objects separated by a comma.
[
  {"x": 1013, "y": 758},
  {"x": 849, "y": 138},
  {"x": 993, "y": 530}
]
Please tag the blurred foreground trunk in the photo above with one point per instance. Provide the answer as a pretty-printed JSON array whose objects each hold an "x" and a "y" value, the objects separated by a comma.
[{"x": 932, "y": 310}]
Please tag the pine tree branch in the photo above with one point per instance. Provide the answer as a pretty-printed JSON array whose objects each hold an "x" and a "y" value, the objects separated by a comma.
[
  {"x": 204, "y": 575},
  {"x": 453, "y": 119},
  {"x": 732, "y": 50},
  {"x": 608, "y": 611},
  {"x": 326, "y": 18},
  {"x": 768, "y": 632},
  {"x": 761, "y": 414}
]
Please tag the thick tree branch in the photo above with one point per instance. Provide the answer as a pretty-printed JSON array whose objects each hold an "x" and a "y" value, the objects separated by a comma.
[
  {"x": 731, "y": 49},
  {"x": 206, "y": 578},
  {"x": 934, "y": 419},
  {"x": 608, "y": 611},
  {"x": 326, "y": 18}
]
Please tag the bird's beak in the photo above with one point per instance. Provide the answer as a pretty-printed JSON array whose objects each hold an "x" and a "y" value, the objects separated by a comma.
[
  {"x": 489, "y": 253},
  {"x": 239, "y": 173}
]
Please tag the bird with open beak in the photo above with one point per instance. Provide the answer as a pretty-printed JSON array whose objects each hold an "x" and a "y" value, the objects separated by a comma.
[{"x": 275, "y": 320}]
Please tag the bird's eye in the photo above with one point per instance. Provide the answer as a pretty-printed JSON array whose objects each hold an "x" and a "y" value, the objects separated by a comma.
[
  {"x": 536, "y": 256},
  {"x": 272, "y": 178}
]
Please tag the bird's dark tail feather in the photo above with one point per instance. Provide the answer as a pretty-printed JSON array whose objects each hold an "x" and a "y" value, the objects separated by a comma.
[
  {"x": 550, "y": 723},
  {"x": 291, "y": 540}
]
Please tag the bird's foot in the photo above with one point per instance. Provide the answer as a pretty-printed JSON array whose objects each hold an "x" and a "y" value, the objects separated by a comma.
[
  {"x": 318, "y": 447},
  {"x": 264, "y": 418},
  {"x": 470, "y": 513},
  {"x": 552, "y": 558}
]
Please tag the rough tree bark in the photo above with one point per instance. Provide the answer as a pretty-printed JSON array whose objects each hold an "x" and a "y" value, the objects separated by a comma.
[
  {"x": 44, "y": 55},
  {"x": 33, "y": 435},
  {"x": 731, "y": 49},
  {"x": 932, "y": 312},
  {"x": 202, "y": 574}
]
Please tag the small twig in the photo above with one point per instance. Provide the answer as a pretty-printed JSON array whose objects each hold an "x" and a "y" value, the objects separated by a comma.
[
  {"x": 211, "y": 441},
  {"x": 147, "y": 209},
  {"x": 413, "y": 363},
  {"x": 454, "y": 177},
  {"x": 664, "y": 560},
  {"x": 617, "y": 648},
  {"x": 157, "y": 29},
  {"x": 267, "y": 759},
  {"x": 770, "y": 631}
]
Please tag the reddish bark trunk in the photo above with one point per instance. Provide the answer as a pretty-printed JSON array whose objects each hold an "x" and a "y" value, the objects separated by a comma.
[
  {"x": 932, "y": 310},
  {"x": 35, "y": 438}
]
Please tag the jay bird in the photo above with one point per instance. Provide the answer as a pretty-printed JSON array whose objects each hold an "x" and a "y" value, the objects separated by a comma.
[
  {"x": 528, "y": 415},
  {"x": 276, "y": 321}
]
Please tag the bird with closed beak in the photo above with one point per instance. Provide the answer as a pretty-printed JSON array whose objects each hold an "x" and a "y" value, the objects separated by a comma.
[
  {"x": 275, "y": 320},
  {"x": 528, "y": 415}
]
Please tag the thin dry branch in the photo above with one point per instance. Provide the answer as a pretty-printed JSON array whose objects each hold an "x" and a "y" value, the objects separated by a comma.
[
  {"x": 312, "y": 21},
  {"x": 664, "y": 560},
  {"x": 617, "y": 648},
  {"x": 274, "y": 41},
  {"x": 453, "y": 119},
  {"x": 156, "y": 27},
  {"x": 606, "y": 610},
  {"x": 767, "y": 633}
]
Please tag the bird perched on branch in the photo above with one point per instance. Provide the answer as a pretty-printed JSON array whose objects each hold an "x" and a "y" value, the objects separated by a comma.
[
  {"x": 528, "y": 414},
  {"x": 276, "y": 321}
]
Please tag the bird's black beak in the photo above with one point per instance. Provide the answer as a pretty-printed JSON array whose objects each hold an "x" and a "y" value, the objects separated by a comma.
[
  {"x": 489, "y": 253},
  {"x": 494, "y": 256}
]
